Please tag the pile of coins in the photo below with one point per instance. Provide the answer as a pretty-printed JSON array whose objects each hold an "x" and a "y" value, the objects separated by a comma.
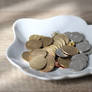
[{"x": 67, "y": 50}]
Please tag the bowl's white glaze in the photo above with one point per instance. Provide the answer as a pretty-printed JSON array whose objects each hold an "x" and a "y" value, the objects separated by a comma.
[{"x": 25, "y": 27}]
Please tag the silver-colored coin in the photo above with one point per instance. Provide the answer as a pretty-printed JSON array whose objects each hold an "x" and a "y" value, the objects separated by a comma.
[
  {"x": 83, "y": 46},
  {"x": 76, "y": 37},
  {"x": 60, "y": 53},
  {"x": 78, "y": 65},
  {"x": 79, "y": 62},
  {"x": 81, "y": 57},
  {"x": 68, "y": 34},
  {"x": 89, "y": 52}
]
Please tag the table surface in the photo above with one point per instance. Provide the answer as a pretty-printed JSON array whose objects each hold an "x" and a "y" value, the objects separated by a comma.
[{"x": 11, "y": 78}]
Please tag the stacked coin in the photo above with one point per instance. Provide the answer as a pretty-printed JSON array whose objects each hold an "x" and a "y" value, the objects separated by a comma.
[
  {"x": 75, "y": 54},
  {"x": 67, "y": 50}
]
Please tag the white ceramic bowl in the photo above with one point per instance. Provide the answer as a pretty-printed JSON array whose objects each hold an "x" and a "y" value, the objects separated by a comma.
[{"x": 25, "y": 27}]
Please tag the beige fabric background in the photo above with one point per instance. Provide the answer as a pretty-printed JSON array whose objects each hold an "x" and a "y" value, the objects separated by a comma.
[{"x": 11, "y": 78}]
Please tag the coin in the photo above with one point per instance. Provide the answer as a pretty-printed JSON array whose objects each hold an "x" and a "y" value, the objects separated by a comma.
[
  {"x": 83, "y": 46},
  {"x": 61, "y": 38},
  {"x": 33, "y": 44},
  {"x": 35, "y": 37},
  {"x": 63, "y": 46},
  {"x": 61, "y": 41},
  {"x": 39, "y": 52},
  {"x": 68, "y": 34},
  {"x": 81, "y": 57},
  {"x": 70, "y": 50},
  {"x": 58, "y": 44},
  {"x": 77, "y": 37},
  {"x": 60, "y": 53},
  {"x": 89, "y": 52},
  {"x": 58, "y": 65},
  {"x": 71, "y": 44},
  {"x": 64, "y": 37},
  {"x": 51, "y": 49},
  {"x": 54, "y": 34},
  {"x": 78, "y": 64},
  {"x": 25, "y": 55},
  {"x": 50, "y": 63},
  {"x": 38, "y": 62},
  {"x": 64, "y": 62},
  {"x": 46, "y": 41},
  {"x": 82, "y": 60}
]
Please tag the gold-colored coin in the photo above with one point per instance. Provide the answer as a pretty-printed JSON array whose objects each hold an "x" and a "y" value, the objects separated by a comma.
[
  {"x": 46, "y": 41},
  {"x": 54, "y": 34},
  {"x": 64, "y": 62},
  {"x": 57, "y": 38},
  {"x": 35, "y": 37},
  {"x": 71, "y": 44},
  {"x": 70, "y": 50},
  {"x": 62, "y": 36},
  {"x": 38, "y": 62},
  {"x": 66, "y": 39},
  {"x": 53, "y": 48},
  {"x": 49, "y": 50},
  {"x": 27, "y": 55},
  {"x": 39, "y": 52},
  {"x": 58, "y": 44},
  {"x": 61, "y": 41},
  {"x": 33, "y": 44},
  {"x": 50, "y": 63}
]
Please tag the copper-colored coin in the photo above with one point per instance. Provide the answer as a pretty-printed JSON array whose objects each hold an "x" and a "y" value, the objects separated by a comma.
[
  {"x": 46, "y": 41},
  {"x": 58, "y": 44},
  {"x": 50, "y": 63},
  {"x": 70, "y": 50},
  {"x": 38, "y": 62},
  {"x": 58, "y": 65},
  {"x": 33, "y": 44},
  {"x": 64, "y": 62}
]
